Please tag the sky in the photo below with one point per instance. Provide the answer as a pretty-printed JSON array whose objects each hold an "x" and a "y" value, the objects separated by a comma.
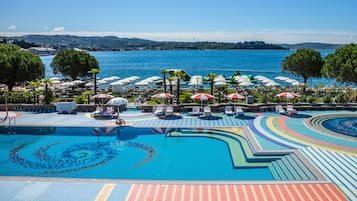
[{"x": 275, "y": 21}]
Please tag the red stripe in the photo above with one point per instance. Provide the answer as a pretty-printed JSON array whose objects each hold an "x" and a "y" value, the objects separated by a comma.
[
  {"x": 298, "y": 135},
  {"x": 144, "y": 191},
  {"x": 133, "y": 192},
  {"x": 160, "y": 192},
  {"x": 240, "y": 192},
  {"x": 222, "y": 189},
  {"x": 302, "y": 192},
  {"x": 293, "y": 191},
  {"x": 275, "y": 191},
  {"x": 336, "y": 190},
  {"x": 249, "y": 192},
  {"x": 204, "y": 192},
  {"x": 186, "y": 195},
  {"x": 214, "y": 195},
  {"x": 310, "y": 190},
  {"x": 231, "y": 192},
  {"x": 267, "y": 192},
  {"x": 177, "y": 195},
  {"x": 258, "y": 192},
  {"x": 196, "y": 192}
]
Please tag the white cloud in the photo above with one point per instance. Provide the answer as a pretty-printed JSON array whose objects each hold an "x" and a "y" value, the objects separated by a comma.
[
  {"x": 12, "y": 27},
  {"x": 58, "y": 29},
  {"x": 270, "y": 36}
]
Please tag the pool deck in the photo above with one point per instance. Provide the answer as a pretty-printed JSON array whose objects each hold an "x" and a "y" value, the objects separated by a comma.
[{"x": 338, "y": 184}]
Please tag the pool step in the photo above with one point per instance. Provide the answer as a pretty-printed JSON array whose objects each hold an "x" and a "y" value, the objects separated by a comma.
[
  {"x": 242, "y": 157},
  {"x": 290, "y": 167},
  {"x": 339, "y": 168}
]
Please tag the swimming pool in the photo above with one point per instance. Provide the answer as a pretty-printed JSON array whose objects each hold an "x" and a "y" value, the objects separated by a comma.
[{"x": 118, "y": 153}]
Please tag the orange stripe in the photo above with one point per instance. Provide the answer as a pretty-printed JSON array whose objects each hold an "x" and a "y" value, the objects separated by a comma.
[
  {"x": 280, "y": 191},
  {"x": 299, "y": 193},
  {"x": 335, "y": 192},
  {"x": 310, "y": 191},
  {"x": 257, "y": 192},
  {"x": 303, "y": 191},
  {"x": 200, "y": 193},
  {"x": 292, "y": 191}
]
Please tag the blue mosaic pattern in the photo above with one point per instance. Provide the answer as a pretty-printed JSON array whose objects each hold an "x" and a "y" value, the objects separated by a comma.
[{"x": 57, "y": 158}]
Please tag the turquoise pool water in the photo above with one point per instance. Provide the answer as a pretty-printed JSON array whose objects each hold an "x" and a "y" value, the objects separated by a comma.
[{"x": 112, "y": 153}]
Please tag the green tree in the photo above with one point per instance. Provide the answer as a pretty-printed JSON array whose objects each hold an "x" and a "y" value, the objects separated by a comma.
[
  {"x": 73, "y": 63},
  {"x": 305, "y": 62},
  {"x": 342, "y": 65},
  {"x": 179, "y": 75},
  {"x": 17, "y": 65},
  {"x": 33, "y": 85},
  {"x": 164, "y": 72},
  {"x": 95, "y": 71},
  {"x": 47, "y": 93},
  {"x": 211, "y": 77}
]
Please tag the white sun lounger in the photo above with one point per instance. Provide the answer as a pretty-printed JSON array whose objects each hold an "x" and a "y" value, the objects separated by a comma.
[
  {"x": 228, "y": 110},
  {"x": 238, "y": 110}
]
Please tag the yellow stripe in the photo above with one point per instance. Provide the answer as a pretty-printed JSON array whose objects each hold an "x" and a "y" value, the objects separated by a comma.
[
  {"x": 156, "y": 192},
  {"x": 286, "y": 135},
  {"x": 263, "y": 193},
  {"x": 218, "y": 193},
  {"x": 271, "y": 193},
  {"x": 227, "y": 193},
  {"x": 200, "y": 192},
  {"x": 313, "y": 190},
  {"x": 147, "y": 192},
  {"x": 138, "y": 193},
  {"x": 165, "y": 192},
  {"x": 245, "y": 193},
  {"x": 333, "y": 192},
  {"x": 235, "y": 192},
  {"x": 183, "y": 192},
  {"x": 322, "y": 190},
  {"x": 253, "y": 191},
  {"x": 191, "y": 193},
  {"x": 307, "y": 193},
  {"x": 279, "y": 191},
  {"x": 289, "y": 193},
  {"x": 173, "y": 193},
  {"x": 298, "y": 192},
  {"x": 105, "y": 192},
  {"x": 209, "y": 192}
]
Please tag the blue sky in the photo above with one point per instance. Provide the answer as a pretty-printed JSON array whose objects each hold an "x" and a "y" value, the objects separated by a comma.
[{"x": 290, "y": 21}]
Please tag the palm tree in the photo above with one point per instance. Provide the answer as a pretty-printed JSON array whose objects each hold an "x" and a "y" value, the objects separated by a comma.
[
  {"x": 164, "y": 72},
  {"x": 179, "y": 75},
  {"x": 94, "y": 71},
  {"x": 170, "y": 84},
  {"x": 211, "y": 77},
  {"x": 47, "y": 82},
  {"x": 33, "y": 84}
]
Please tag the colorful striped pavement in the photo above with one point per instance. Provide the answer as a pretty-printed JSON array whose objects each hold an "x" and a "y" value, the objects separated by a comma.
[{"x": 279, "y": 131}]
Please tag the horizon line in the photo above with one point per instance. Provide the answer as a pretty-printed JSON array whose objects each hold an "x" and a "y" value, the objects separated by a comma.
[{"x": 274, "y": 37}]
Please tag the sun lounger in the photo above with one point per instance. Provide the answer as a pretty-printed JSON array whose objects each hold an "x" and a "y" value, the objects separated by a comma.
[
  {"x": 195, "y": 110},
  {"x": 291, "y": 110},
  {"x": 279, "y": 109},
  {"x": 159, "y": 110},
  {"x": 109, "y": 112},
  {"x": 238, "y": 110},
  {"x": 98, "y": 112},
  {"x": 169, "y": 111},
  {"x": 228, "y": 110},
  {"x": 207, "y": 111}
]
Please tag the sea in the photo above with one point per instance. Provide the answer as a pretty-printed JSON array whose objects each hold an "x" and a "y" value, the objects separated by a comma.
[{"x": 144, "y": 64}]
